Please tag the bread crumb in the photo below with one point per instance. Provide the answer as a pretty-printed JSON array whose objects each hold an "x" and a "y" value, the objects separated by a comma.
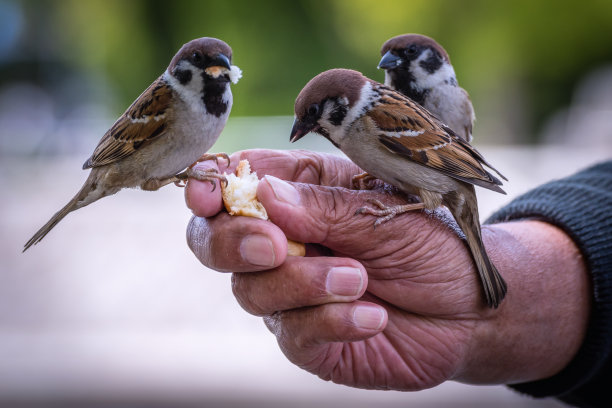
[
  {"x": 240, "y": 198},
  {"x": 240, "y": 193}
]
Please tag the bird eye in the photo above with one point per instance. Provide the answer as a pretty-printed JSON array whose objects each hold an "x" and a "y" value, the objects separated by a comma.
[
  {"x": 313, "y": 110},
  {"x": 412, "y": 50},
  {"x": 196, "y": 57}
]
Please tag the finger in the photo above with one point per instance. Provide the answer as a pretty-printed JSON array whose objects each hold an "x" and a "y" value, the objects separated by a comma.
[
  {"x": 327, "y": 215},
  {"x": 300, "y": 330},
  {"x": 200, "y": 196},
  {"x": 298, "y": 165},
  {"x": 236, "y": 244},
  {"x": 300, "y": 282},
  {"x": 301, "y": 165}
]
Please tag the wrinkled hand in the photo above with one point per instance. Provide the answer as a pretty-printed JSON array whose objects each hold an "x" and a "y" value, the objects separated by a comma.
[
  {"x": 397, "y": 306},
  {"x": 387, "y": 309}
]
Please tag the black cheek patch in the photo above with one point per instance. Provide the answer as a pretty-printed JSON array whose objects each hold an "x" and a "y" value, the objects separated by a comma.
[
  {"x": 183, "y": 75},
  {"x": 338, "y": 115},
  {"x": 432, "y": 64}
]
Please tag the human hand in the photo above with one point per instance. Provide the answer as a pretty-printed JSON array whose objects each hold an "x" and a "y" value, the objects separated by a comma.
[{"x": 396, "y": 307}]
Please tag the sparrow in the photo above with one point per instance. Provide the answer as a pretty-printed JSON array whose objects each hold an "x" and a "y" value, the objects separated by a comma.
[
  {"x": 420, "y": 68},
  {"x": 396, "y": 140},
  {"x": 166, "y": 130}
]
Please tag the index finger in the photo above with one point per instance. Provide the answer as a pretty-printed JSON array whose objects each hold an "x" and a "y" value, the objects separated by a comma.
[
  {"x": 293, "y": 165},
  {"x": 302, "y": 166}
]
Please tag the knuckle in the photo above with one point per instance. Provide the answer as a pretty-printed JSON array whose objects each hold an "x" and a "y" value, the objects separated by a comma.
[
  {"x": 337, "y": 207},
  {"x": 294, "y": 330},
  {"x": 241, "y": 288},
  {"x": 308, "y": 166},
  {"x": 336, "y": 211},
  {"x": 307, "y": 283}
]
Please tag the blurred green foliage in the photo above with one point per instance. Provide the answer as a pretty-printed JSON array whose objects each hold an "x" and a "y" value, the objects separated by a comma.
[{"x": 524, "y": 54}]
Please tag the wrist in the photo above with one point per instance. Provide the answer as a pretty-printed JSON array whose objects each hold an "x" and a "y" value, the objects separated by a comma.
[{"x": 541, "y": 324}]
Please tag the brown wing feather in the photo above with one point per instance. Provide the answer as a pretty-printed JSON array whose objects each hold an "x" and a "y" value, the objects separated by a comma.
[
  {"x": 145, "y": 120},
  {"x": 407, "y": 129}
]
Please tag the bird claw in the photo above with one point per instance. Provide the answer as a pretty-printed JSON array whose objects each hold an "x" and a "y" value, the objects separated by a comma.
[
  {"x": 363, "y": 181},
  {"x": 213, "y": 156},
  {"x": 210, "y": 175},
  {"x": 385, "y": 212}
]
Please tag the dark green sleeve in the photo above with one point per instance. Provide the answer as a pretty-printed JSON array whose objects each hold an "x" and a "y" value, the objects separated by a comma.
[{"x": 581, "y": 205}]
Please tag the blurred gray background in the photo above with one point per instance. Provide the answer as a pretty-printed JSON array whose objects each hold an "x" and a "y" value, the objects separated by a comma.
[{"x": 112, "y": 308}]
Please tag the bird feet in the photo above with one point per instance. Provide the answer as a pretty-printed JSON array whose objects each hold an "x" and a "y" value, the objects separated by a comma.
[
  {"x": 210, "y": 175},
  {"x": 385, "y": 212},
  {"x": 212, "y": 156},
  {"x": 363, "y": 181}
]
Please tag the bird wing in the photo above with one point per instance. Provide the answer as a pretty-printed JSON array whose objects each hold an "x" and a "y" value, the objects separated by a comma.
[
  {"x": 144, "y": 121},
  {"x": 408, "y": 130}
]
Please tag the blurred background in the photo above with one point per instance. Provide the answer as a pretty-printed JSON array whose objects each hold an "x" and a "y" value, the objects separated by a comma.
[{"x": 112, "y": 308}]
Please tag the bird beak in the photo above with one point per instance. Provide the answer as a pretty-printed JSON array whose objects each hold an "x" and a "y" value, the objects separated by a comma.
[
  {"x": 220, "y": 61},
  {"x": 299, "y": 130},
  {"x": 389, "y": 61}
]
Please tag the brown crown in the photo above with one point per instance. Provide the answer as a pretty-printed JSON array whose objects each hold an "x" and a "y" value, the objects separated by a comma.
[
  {"x": 335, "y": 83},
  {"x": 208, "y": 46},
  {"x": 405, "y": 40}
]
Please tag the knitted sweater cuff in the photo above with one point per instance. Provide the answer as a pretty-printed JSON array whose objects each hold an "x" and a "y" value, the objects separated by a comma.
[{"x": 581, "y": 205}]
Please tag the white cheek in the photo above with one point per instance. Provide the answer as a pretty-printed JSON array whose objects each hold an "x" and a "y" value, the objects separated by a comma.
[
  {"x": 191, "y": 92},
  {"x": 424, "y": 80},
  {"x": 228, "y": 98},
  {"x": 324, "y": 121},
  {"x": 366, "y": 97}
]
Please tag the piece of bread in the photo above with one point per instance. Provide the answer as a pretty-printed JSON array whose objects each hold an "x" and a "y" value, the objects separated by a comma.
[
  {"x": 240, "y": 193},
  {"x": 240, "y": 198}
]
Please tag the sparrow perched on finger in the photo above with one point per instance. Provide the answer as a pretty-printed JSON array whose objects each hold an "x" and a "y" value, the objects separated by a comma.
[
  {"x": 418, "y": 67},
  {"x": 168, "y": 128},
  {"x": 398, "y": 141}
]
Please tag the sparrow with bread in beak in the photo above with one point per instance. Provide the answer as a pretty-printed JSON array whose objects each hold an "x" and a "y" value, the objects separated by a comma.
[
  {"x": 418, "y": 67},
  {"x": 395, "y": 140},
  {"x": 167, "y": 129}
]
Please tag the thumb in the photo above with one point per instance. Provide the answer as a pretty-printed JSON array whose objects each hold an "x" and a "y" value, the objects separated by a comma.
[
  {"x": 202, "y": 197},
  {"x": 326, "y": 215}
]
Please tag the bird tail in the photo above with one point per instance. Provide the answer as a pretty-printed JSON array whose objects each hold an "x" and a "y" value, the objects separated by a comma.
[
  {"x": 494, "y": 286},
  {"x": 85, "y": 196},
  {"x": 40, "y": 234}
]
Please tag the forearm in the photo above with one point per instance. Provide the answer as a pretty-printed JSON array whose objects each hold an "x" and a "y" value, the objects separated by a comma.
[{"x": 540, "y": 326}]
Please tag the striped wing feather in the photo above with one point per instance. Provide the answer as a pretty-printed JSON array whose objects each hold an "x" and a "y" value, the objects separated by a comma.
[
  {"x": 144, "y": 121},
  {"x": 408, "y": 130}
]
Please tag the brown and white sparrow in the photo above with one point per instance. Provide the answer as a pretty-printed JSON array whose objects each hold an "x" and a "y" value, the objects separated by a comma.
[
  {"x": 420, "y": 68},
  {"x": 169, "y": 127},
  {"x": 396, "y": 140}
]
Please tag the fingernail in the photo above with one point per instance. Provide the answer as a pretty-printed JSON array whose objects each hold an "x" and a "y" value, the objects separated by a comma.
[
  {"x": 283, "y": 191},
  {"x": 257, "y": 250},
  {"x": 368, "y": 317},
  {"x": 344, "y": 281}
]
